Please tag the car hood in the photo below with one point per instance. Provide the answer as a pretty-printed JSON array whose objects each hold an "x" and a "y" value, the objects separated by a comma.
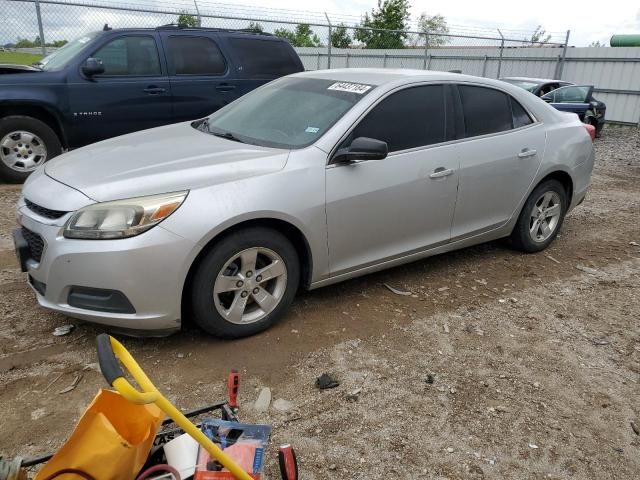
[
  {"x": 10, "y": 68},
  {"x": 165, "y": 159}
]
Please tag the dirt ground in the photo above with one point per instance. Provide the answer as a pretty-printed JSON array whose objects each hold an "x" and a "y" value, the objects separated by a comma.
[{"x": 534, "y": 360}]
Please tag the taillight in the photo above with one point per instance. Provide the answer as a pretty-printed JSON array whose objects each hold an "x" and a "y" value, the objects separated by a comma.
[{"x": 591, "y": 130}]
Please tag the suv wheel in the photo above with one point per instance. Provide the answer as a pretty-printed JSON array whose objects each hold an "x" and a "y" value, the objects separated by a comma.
[
  {"x": 245, "y": 283},
  {"x": 541, "y": 217},
  {"x": 25, "y": 144}
]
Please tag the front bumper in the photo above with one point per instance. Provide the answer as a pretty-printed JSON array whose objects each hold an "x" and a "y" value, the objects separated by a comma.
[{"x": 149, "y": 270}]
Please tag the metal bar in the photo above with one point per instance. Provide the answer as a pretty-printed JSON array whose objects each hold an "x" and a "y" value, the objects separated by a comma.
[
  {"x": 347, "y": 61},
  {"x": 329, "y": 43},
  {"x": 555, "y": 71},
  {"x": 40, "y": 29},
  {"x": 501, "y": 52},
  {"x": 429, "y": 61},
  {"x": 615, "y": 91},
  {"x": 384, "y": 61},
  {"x": 198, "y": 12},
  {"x": 484, "y": 66},
  {"x": 564, "y": 54}
]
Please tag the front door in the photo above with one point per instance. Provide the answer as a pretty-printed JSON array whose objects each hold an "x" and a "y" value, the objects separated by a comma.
[
  {"x": 574, "y": 98},
  {"x": 381, "y": 209},
  {"x": 202, "y": 78},
  {"x": 132, "y": 94},
  {"x": 499, "y": 159}
]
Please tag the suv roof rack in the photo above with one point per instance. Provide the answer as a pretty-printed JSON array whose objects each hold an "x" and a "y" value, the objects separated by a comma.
[{"x": 174, "y": 26}]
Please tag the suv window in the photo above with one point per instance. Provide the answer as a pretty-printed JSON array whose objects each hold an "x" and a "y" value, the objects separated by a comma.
[
  {"x": 265, "y": 57},
  {"x": 131, "y": 55},
  {"x": 577, "y": 94},
  {"x": 195, "y": 56},
  {"x": 486, "y": 110},
  {"x": 413, "y": 117},
  {"x": 520, "y": 116}
]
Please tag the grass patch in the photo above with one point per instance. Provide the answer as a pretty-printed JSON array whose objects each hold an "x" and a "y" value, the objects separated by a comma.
[{"x": 19, "y": 58}]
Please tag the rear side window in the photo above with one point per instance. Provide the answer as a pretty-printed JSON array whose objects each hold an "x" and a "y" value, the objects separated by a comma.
[
  {"x": 264, "y": 57},
  {"x": 485, "y": 110},
  {"x": 132, "y": 55},
  {"x": 410, "y": 118},
  {"x": 520, "y": 116},
  {"x": 195, "y": 56}
]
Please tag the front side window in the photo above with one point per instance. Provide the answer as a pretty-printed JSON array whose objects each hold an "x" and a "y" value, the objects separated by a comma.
[
  {"x": 195, "y": 56},
  {"x": 573, "y": 94},
  {"x": 413, "y": 117},
  {"x": 131, "y": 55},
  {"x": 486, "y": 110},
  {"x": 287, "y": 113},
  {"x": 59, "y": 59}
]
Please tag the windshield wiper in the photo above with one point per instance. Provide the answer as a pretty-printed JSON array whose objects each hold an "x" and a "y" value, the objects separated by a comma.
[
  {"x": 222, "y": 134},
  {"x": 38, "y": 65}
]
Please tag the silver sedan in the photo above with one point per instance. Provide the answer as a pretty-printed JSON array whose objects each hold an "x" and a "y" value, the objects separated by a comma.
[{"x": 309, "y": 180}]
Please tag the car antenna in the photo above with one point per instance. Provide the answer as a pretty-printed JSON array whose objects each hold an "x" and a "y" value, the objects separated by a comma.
[{"x": 106, "y": 27}]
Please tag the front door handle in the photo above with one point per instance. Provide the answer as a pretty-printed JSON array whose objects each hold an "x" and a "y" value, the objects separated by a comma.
[
  {"x": 153, "y": 90},
  {"x": 225, "y": 87},
  {"x": 527, "y": 153},
  {"x": 441, "y": 172}
]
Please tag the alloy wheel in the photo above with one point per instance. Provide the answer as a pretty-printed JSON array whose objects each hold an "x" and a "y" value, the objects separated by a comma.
[
  {"x": 250, "y": 285},
  {"x": 545, "y": 216},
  {"x": 22, "y": 151}
]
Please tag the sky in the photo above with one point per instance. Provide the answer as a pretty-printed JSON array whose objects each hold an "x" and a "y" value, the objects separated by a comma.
[{"x": 588, "y": 20}]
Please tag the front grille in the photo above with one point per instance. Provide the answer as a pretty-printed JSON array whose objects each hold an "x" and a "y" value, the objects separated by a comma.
[
  {"x": 44, "y": 212},
  {"x": 36, "y": 244}
]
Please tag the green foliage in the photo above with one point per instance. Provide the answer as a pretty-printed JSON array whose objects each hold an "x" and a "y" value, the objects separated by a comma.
[
  {"x": 435, "y": 29},
  {"x": 303, "y": 36},
  {"x": 538, "y": 36},
  {"x": 390, "y": 15},
  {"x": 340, "y": 38},
  {"x": 187, "y": 20},
  {"x": 255, "y": 27},
  {"x": 597, "y": 43},
  {"x": 36, "y": 42}
]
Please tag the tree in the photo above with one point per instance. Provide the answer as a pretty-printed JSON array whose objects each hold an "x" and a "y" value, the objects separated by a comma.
[
  {"x": 597, "y": 43},
  {"x": 255, "y": 27},
  {"x": 187, "y": 20},
  {"x": 538, "y": 36},
  {"x": 303, "y": 36},
  {"x": 340, "y": 38},
  {"x": 435, "y": 29},
  {"x": 390, "y": 15}
]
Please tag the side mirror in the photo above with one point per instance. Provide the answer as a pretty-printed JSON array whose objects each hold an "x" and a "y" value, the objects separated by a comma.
[
  {"x": 93, "y": 66},
  {"x": 362, "y": 148}
]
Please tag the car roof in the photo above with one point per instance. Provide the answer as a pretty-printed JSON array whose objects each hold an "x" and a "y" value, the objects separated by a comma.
[
  {"x": 177, "y": 28},
  {"x": 383, "y": 76}
]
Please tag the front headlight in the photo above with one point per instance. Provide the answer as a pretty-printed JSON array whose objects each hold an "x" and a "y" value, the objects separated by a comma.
[{"x": 122, "y": 218}]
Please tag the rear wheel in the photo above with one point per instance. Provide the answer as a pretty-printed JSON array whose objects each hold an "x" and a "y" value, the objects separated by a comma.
[
  {"x": 541, "y": 217},
  {"x": 245, "y": 283},
  {"x": 25, "y": 144}
]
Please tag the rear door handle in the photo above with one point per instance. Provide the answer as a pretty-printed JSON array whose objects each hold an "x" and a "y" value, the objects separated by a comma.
[
  {"x": 441, "y": 172},
  {"x": 225, "y": 87},
  {"x": 151, "y": 90},
  {"x": 527, "y": 153}
]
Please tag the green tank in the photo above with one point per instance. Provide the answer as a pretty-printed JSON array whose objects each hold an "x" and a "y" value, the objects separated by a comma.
[{"x": 632, "y": 40}]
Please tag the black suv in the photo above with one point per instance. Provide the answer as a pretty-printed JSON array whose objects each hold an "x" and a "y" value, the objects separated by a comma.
[{"x": 117, "y": 81}]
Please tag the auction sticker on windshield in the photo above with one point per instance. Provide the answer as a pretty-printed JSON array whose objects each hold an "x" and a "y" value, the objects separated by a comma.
[{"x": 358, "y": 88}]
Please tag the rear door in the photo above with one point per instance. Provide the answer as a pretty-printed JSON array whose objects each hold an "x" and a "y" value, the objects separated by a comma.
[
  {"x": 202, "y": 77},
  {"x": 500, "y": 155},
  {"x": 132, "y": 94},
  {"x": 259, "y": 59},
  {"x": 574, "y": 98}
]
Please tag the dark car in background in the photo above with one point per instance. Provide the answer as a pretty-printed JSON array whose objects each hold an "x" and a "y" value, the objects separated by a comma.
[
  {"x": 118, "y": 81},
  {"x": 566, "y": 97}
]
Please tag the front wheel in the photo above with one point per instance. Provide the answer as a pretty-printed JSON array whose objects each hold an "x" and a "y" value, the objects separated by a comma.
[
  {"x": 25, "y": 144},
  {"x": 245, "y": 283},
  {"x": 541, "y": 217}
]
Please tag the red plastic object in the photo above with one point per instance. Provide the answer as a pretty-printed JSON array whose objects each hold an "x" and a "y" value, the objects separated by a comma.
[
  {"x": 288, "y": 463},
  {"x": 591, "y": 130},
  {"x": 233, "y": 384}
]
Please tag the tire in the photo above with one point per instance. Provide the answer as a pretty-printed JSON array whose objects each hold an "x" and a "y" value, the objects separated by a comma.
[
  {"x": 215, "y": 289},
  {"x": 523, "y": 235},
  {"x": 39, "y": 144}
]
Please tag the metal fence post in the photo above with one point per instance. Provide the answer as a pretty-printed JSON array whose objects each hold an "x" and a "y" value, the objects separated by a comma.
[
  {"x": 330, "y": 42},
  {"x": 198, "y": 13},
  {"x": 501, "y": 52},
  {"x": 384, "y": 60},
  {"x": 564, "y": 55},
  {"x": 429, "y": 61},
  {"x": 426, "y": 48},
  {"x": 484, "y": 66},
  {"x": 347, "y": 60},
  {"x": 40, "y": 29}
]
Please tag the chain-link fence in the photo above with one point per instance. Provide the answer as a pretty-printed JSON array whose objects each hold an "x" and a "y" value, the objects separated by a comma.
[{"x": 38, "y": 27}]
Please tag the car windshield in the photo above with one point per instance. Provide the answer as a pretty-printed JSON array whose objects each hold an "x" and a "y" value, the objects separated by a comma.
[
  {"x": 59, "y": 58},
  {"x": 287, "y": 113},
  {"x": 526, "y": 84}
]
